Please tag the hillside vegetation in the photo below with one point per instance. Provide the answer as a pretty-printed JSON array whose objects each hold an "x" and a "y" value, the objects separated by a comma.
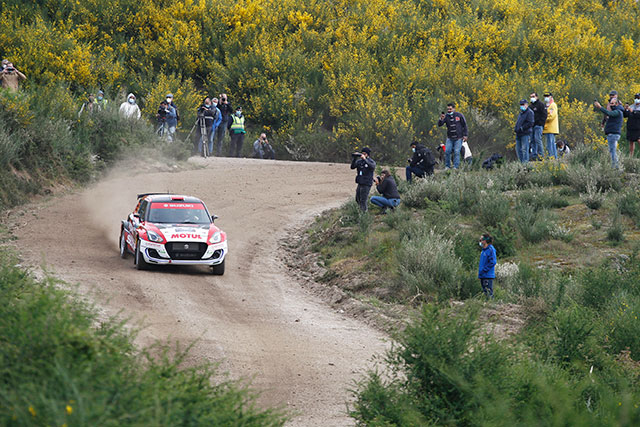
[
  {"x": 325, "y": 76},
  {"x": 558, "y": 344}
]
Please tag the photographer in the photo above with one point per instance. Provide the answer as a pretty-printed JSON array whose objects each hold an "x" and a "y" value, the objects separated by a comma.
[
  {"x": 11, "y": 77},
  {"x": 421, "y": 163},
  {"x": 613, "y": 127},
  {"x": 166, "y": 116},
  {"x": 386, "y": 185},
  {"x": 365, "y": 166},
  {"x": 262, "y": 149}
]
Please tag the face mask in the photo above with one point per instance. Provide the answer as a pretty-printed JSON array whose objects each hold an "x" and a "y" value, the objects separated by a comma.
[
  {"x": 636, "y": 101},
  {"x": 132, "y": 101},
  {"x": 533, "y": 100},
  {"x": 207, "y": 105},
  {"x": 169, "y": 100},
  {"x": 546, "y": 99},
  {"x": 99, "y": 98},
  {"x": 215, "y": 104},
  {"x": 238, "y": 113},
  {"x": 522, "y": 108},
  {"x": 451, "y": 113},
  {"x": 480, "y": 244},
  {"x": 413, "y": 149}
]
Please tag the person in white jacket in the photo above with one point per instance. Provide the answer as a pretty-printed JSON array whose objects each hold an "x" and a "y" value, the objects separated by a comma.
[{"x": 129, "y": 110}]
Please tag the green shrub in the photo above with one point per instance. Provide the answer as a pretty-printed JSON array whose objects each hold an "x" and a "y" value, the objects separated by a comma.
[
  {"x": 629, "y": 204},
  {"x": 615, "y": 233},
  {"x": 534, "y": 226},
  {"x": 395, "y": 218},
  {"x": 542, "y": 198},
  {"x": 600, "y": 174},
  {"x": 504, "y": 239},
  {"x": 493, "y": 209},
  {"x": 594, "y": 197},
  {"x": 422, "y": 190},
  {"x": 572, "y": 328},
  {"x": 623, "y": 326},
  {"x": 598, "y": 286},
  {"x": 427, "y": 265}
]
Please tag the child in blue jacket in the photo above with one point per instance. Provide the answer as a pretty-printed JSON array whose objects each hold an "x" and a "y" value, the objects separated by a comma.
[{"x": 486, "y": 268}]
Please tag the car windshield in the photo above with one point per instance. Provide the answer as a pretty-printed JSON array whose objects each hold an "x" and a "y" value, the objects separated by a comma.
[{"x": 178, "y": 213}]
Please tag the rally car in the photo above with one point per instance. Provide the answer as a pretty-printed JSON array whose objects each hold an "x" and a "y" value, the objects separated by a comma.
[{"x": 172, "y": 229}]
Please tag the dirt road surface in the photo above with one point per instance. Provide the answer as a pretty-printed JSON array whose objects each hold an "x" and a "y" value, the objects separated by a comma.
[{"x": 256, "y": 320}]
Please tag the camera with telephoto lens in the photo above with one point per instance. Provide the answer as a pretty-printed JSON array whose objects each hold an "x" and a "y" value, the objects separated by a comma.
[
  {"x": 356, "y": 154},
  {"x": 10, "y": 69}
]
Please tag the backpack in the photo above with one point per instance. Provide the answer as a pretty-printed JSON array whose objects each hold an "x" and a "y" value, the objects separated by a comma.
[{"x": 489, "y": 163}]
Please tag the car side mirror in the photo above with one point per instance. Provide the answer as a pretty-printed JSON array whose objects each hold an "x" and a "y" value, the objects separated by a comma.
[
  {"x": 214, "y": 217},
  {"x": 136, "y": 215}
]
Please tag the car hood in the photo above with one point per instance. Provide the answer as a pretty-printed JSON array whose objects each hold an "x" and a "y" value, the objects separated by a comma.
[{"x": 185, "y": 232}]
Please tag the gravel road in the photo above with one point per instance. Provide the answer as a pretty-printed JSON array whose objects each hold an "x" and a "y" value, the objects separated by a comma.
[{"x": 256, "y": 321}]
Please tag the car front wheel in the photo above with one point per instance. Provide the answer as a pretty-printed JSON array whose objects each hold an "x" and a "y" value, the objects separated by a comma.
[
  {"x": 218, "y": 269},
  {"x": 141, "y": 264},
  {"x": 123, "y": 245}
]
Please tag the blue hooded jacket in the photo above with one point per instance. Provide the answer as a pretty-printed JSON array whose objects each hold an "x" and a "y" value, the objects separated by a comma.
[{"x": 488, "y": 259}]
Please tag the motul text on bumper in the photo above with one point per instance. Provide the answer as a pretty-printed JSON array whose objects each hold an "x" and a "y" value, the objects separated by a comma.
[{"x": 214, "y": 254}]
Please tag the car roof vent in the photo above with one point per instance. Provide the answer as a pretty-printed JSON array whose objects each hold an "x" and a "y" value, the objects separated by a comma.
[{"x": 180, "y": 198}]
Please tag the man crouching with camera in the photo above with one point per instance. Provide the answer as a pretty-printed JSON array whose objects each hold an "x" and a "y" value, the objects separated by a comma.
[
  {"x": 386, "y": 185},
  {"x": 365, "y": 166}
]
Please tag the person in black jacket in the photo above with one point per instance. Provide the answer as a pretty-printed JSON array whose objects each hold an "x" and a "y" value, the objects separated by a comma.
[
  {"x": 456, "y": 133},
  {"x": 632, "y": 112},
  {"x": 365, "y": 166},
  {"x": 421, "y": 163},
  {"x": 386, "y": 185},
  {"x": 227, "y": 112},
  {"x": 523, "y": 130},
  {"x": 539, "y": 119},
  {"x": 204, "y": 123}
]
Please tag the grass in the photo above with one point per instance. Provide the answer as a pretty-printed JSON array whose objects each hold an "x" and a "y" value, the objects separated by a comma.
[{"x": 60, "y": 366}]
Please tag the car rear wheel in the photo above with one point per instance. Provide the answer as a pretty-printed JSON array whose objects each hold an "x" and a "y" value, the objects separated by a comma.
[
  {"x": 141, "y": 264},
  {"x": 123, "y": 245},
  {"x": 218, "y": 270}
]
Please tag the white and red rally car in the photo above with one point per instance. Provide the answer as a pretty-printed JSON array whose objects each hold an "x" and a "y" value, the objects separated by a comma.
[{"x": 173, "y": 229}]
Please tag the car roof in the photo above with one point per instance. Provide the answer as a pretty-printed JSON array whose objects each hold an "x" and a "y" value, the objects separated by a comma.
[{"x": 169, "y": 198}]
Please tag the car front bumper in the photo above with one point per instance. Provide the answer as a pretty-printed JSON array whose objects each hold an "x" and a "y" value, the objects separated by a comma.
[{"x": 156, "y": 253}]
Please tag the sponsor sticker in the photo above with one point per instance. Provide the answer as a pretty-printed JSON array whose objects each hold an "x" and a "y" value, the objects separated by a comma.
[{"x": 177, "y": 206}]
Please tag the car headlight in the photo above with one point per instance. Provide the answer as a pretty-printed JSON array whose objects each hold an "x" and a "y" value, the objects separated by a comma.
[
  {"x": 154, "y": 237},
  {"x": 216, "y": 237}
]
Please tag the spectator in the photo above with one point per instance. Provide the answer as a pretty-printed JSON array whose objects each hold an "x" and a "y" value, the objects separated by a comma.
[
  {"x": 612, "y": 95},
  {"x": 456, "y": 133},
  {"x": 262, "y": 149},
  {"x": 4, "y": 63},
  {"x": 89, "y": 106},
  {"x": 174, "y": 116},
  {"x": 613, "y": 127},
  {"x": 539, "y": 120},
  {"x": 523, "y": 130},
  {"x": 421, "y": 163},
  {"x": 487, "y": 264},
  {"x": 166, "y": 118},
  {"x": 129, "y": 110},
  {"x": 551, "y": 127},
  {"x": 205, "y": 121},
  {"x": 225, "y": 108},
  {"x": 365, "y": 166},
  {"x": 386, "y": 185},
  {"x": 101, "y": 101},
  {"x": 216, "y": 125},
  {"x": 11, "y": 77},
  {"x": 237, "y": 132},
  {"x": 632, "y": 113},
  {"x": 465, "y": 152},
  {"x": 562, "y": 148}
]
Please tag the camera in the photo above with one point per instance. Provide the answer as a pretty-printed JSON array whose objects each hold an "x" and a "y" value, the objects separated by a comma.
[
  {"x": 378, "y": 178},
  {"x": 356, "y": 154},
  {"x": 10, "y": 69}
]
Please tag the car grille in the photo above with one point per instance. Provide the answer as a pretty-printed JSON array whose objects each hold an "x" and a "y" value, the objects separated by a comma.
[{"x": 186, "y": 250}]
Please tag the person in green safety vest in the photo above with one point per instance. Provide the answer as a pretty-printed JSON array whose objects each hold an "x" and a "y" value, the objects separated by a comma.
[{"x": 237, "y": 132}]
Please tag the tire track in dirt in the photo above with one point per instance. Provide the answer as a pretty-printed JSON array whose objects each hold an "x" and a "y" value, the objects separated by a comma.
[{"x": 255, "y": 320}]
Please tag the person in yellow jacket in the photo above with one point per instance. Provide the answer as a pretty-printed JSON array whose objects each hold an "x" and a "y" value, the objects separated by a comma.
[
  {"x": 551, "y": 127},
  {"x": 237, "y": 132}
]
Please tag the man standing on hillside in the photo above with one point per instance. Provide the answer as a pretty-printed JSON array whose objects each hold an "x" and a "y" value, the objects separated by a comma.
[
  {"x": 523, "y": 130},
  {"x": 456, "y": 133},
  {"x": 129, "y": 110},
  {"x": 365, "y": 166},
  {"x": 551, "y": 127},
  {"x": 613, "y": 128},
  {"x": 487, "y": 264},
  {"x": 225, "y": 108},
  {"x": 237, "y": 132},
  {"x": 539, "y": 120},
  {"x": 11, "y": 77},
  {"x": 172, "y": 121}
]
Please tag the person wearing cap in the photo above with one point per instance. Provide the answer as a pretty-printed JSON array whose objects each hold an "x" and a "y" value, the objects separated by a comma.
[
  {"x": 237, "y": 132},
  {"x": 487, "y": 264},
  {"x": 129, "y": 110},
  {"x": 421, "y": 162},
  {"x": 10, "y": 77},
  {"x": 551, "y": 126},
  {"x": 387, "y": 187},
  {"x": 632, "y": 113},
  {"x": 612, "y": 95},
  {"x": 523, "y": 130},
  {"x": 539, "y": 119},
  {"x": 101, "y": 100},
  {"x": 456, "y": 133},
  {"x": 365, "y": 166},
  {"x": 172, "y": 119},
  {"x": 613, "y": 127}
]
